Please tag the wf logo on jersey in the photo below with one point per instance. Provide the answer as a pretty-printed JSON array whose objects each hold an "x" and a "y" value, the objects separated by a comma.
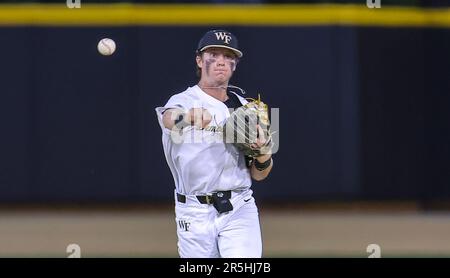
[
  {"x": 223, "y": 37},
  {"x": 184, "y": 225}
]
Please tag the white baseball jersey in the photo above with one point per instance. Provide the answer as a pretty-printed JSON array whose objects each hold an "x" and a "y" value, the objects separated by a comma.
[{"x": 203, "y": 163}]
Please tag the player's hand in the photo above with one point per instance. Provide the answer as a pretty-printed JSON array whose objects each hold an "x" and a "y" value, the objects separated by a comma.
[
  {"x": 263, "y": 143},
  {"x": 261, "y": 139},
  {"x": 199, "y": 117}
]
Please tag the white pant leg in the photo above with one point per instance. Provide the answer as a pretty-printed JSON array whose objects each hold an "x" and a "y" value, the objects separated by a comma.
[
  {"x": 241, "y": 236},
  {"x": 195, "y": 229}
]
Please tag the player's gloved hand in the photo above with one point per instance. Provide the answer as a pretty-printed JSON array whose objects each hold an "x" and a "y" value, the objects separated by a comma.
[{"x": 248, "y": 128}]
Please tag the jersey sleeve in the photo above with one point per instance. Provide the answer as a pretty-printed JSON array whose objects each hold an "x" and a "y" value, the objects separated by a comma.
[{"x": 180, "y": 101}]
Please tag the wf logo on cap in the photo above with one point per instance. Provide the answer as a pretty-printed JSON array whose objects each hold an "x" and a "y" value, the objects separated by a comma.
[
  {"x": 219, "y": 38},
  {"x": 223, "y": 37}
]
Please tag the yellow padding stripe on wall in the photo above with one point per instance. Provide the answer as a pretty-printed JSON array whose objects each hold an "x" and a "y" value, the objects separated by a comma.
[{"x": 217, "y": 15}]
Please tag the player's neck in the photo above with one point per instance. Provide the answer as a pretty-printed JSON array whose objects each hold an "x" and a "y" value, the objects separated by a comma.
[{"x": 217, "y": 92}]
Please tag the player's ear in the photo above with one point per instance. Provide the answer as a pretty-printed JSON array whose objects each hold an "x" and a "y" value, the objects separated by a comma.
[
  {"x": 198, "y": 59},
  {"x": 236, "y": 61}
]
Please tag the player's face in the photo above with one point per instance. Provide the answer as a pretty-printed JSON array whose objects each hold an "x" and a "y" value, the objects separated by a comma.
[{"x": 217, "y": 65}]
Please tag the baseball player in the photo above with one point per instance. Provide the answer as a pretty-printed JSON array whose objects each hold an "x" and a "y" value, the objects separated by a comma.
[{"x": 216, "y": 214}]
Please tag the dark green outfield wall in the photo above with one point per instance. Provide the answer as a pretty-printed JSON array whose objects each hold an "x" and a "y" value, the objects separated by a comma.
[{"x": 364, "y": 111}]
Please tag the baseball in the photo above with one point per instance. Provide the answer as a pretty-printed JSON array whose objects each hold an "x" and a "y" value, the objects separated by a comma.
[{"x": 106, "y": 46}]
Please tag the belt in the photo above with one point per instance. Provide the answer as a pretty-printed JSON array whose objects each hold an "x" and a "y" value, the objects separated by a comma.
[{"x": 205, "y": 199}]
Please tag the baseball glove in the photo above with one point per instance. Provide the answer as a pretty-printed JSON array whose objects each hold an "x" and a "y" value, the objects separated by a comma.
[{"x": 248, "y": 128}]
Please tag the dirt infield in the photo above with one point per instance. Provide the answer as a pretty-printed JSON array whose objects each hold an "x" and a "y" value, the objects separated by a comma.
[{"x": 286, "y": 233}]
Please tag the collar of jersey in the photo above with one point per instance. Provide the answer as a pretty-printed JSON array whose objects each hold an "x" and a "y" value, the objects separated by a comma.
[{"x": 207, "y": 97}]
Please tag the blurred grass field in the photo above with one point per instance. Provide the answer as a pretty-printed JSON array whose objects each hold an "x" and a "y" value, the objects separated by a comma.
[{"x": 150, "y": 232}]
